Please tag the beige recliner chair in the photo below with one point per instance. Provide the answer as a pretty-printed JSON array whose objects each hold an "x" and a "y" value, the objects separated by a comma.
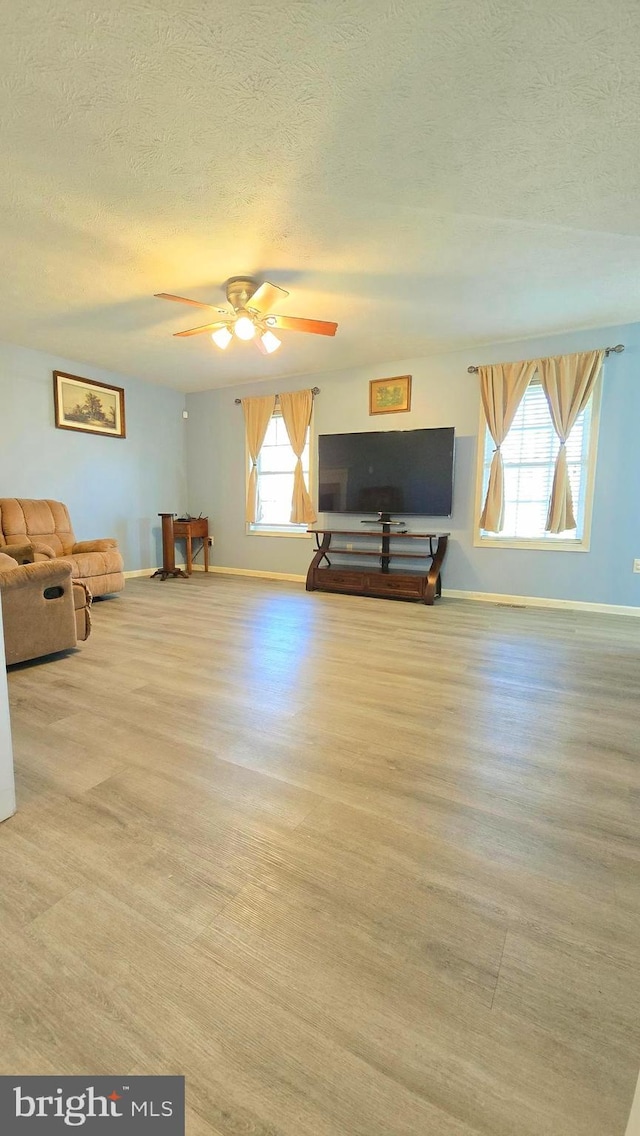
[
  {"x": 45, "y": 526},
  {"x": 43, "y": 610}
]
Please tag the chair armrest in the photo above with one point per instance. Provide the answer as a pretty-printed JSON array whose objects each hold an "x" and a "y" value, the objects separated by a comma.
[
  {"x": 21, "y": 553},
  {"x": 42, "y": 550},
  {"x": 28, "y": 551},
  {"x": 43, "y": 572},
  {"x": 94, "y": 545}
]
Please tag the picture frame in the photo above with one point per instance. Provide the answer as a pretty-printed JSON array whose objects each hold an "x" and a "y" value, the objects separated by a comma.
[
  {"x": 88, "y": 406},
  {"x": 390, "y": 396}
]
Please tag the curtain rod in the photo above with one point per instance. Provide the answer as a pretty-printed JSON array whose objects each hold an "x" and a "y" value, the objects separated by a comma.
[
  {"x": 618, "y": 348},
  {"x": 314, "y": 391}
]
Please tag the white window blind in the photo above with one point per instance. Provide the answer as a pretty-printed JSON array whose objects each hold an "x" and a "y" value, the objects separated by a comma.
[
  {"x": 529, "y": 453},
  {"x": 276, "y": 463}
]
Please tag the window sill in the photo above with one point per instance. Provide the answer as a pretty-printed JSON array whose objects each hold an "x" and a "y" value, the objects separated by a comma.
[
  {"x": 533, "y": 545},
  {"x": 278, "y": 532}
]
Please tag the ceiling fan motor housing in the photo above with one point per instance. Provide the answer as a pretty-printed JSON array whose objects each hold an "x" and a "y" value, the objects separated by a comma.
[{"x": 239, "y": 291}]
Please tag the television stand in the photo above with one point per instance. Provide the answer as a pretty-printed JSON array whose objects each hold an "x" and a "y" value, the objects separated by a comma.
[
  {"x": 389, "y": 576},
  {"x": 384, "y": 519}
]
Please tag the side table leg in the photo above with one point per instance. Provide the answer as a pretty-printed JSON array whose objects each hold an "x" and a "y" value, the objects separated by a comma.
[{"x": 168, "y": 550}]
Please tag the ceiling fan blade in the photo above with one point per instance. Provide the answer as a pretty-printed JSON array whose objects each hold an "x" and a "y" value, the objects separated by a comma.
[
  {"x": 294, "y": 323},
  {"x": 201, "y": 330},
  {"x": 183, "y": 300},
  {"x": 265, "y": 297}
]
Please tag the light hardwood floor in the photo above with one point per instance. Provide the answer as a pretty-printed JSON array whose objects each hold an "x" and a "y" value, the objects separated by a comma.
[{"x": 354, "y": 867}]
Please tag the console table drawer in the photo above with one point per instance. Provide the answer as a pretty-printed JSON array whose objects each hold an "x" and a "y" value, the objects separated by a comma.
[
  {"x": 382, "y": 584},
  {"x": 342, "y": 581}
]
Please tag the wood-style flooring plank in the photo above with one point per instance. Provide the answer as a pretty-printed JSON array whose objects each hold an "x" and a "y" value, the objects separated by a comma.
[{"x": 354, "y": 867}]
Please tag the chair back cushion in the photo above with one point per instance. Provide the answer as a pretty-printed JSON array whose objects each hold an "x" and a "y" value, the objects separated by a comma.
[{"x": 44, "y": 521}]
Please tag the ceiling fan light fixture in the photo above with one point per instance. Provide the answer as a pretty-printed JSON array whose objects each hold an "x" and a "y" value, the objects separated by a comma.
[
  {"x": 271, "y": 321},
  {"x": 270, "y": 342},
  {"x": 244, "y": 327},
  {"x": 222, "y": 337}
]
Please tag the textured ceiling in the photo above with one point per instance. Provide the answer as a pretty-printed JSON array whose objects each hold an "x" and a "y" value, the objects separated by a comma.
[{"x": 429, "y": 173}]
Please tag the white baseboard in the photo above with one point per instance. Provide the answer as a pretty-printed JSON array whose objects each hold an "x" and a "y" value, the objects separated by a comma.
[
  {"x": 296, "y": 579},
  {"x": 483, "y": 597},
  {"x": 541, "y": 601},
  {"x": 449, "y": 593},
  {"x": 150, "y": 571}
]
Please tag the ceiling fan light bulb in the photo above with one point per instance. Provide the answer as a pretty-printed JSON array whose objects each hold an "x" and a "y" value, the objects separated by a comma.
[
  {"x": 270, "y": 342},
  {"x": 244, "y": 328},
  {"x": 222, "y": 337}
]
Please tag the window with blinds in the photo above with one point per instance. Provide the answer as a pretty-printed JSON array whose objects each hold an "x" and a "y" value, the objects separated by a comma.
[
  {"x": 529, "y": 453},
  {"x": 276, "y": 463}
]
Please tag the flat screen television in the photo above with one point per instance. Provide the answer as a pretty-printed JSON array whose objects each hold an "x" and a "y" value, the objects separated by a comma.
[{"x": 406, "y": 472}]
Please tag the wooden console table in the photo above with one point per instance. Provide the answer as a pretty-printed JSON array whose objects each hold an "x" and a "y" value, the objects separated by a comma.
[
  {"x": 194, "y": 528},
  {"x": 384, "y": 579}
]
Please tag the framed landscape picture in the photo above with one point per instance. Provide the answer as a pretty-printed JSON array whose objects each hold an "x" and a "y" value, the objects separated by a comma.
[
  {"x": 89, "y": 406},
  {"x": 389, "y": 396}
]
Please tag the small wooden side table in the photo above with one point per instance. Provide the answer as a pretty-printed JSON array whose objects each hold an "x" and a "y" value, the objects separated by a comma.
[{"x": 194, "y": 527}]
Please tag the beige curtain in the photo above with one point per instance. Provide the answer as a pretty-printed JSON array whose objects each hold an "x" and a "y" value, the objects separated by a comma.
[
  {"x": 296, "y": 409},
  {"x": 257, "y": 412},
  {"x": 568, "y": 382},
  {"x": 502, "y": 387}
]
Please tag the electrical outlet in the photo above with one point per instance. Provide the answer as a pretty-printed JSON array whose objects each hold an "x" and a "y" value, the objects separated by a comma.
[{"x": 636, "y": 565}]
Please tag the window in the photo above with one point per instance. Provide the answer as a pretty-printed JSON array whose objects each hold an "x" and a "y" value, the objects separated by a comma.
[
  {"x": 276, "y": 463},
  {"x": 529, "y": 453}
]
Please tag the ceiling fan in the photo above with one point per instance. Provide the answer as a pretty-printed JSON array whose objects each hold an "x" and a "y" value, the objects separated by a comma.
[{"x": 250, "y": 319}]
